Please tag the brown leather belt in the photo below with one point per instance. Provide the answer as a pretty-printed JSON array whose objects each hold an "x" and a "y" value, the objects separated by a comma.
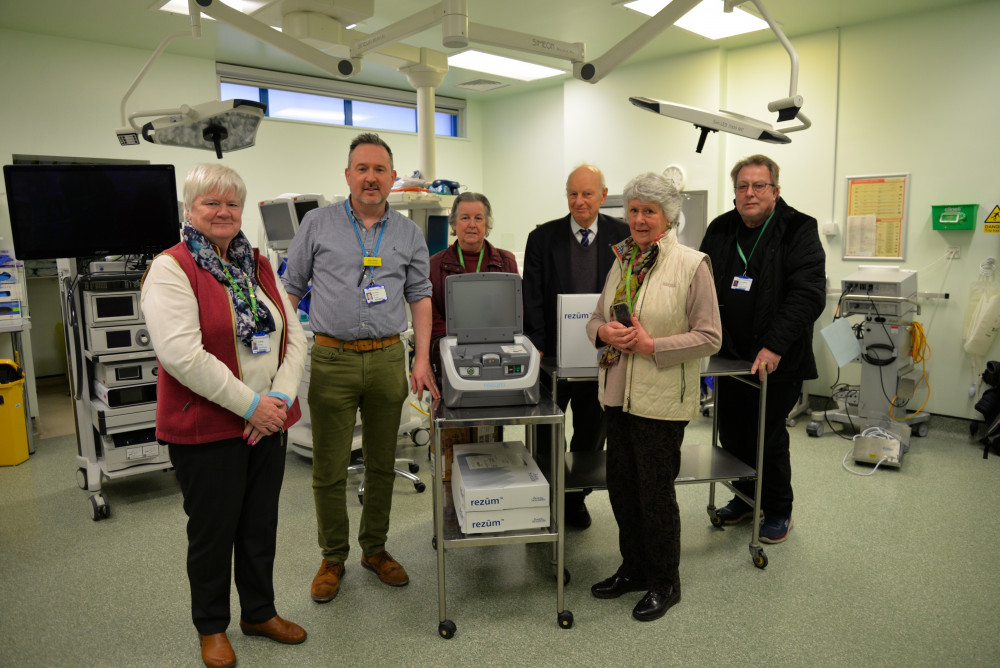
[{"x": 361, "y": 345}]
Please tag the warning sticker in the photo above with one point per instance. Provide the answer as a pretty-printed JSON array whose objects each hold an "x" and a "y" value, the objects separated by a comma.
[{"x": 992, "y": 223}]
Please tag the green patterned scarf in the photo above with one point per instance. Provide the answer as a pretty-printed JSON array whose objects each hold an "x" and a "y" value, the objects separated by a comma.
[{"x": 641, "y": 263}]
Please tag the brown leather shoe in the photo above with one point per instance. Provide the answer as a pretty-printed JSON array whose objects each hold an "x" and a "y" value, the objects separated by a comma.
[
  {"x": 277, "y": 629},
  {"x": 216, "y": 651},
  {"x": 326, "y": 584},
  {"x": 386, "y": 568}
]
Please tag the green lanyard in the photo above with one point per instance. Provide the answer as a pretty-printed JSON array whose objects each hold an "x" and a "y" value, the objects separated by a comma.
[
  {"x": 478, "y": 264},
  {"x": 746, "y": 260},
  {"x": 236, "y": 286},
  {"x": 628, "y": 279}
]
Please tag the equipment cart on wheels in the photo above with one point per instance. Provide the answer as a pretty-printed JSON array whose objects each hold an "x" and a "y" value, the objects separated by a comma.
[
  {"x": 447, "y": 532},
  {"x": 700, "y": 463}
]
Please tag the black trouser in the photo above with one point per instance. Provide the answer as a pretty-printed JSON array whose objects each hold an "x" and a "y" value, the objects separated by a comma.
[
  {"x": 231, "y": 492},
  {"x": 738, "y": 408},
  {"x": 589, "y": 429},
  {"x": 644, "y": 458}
]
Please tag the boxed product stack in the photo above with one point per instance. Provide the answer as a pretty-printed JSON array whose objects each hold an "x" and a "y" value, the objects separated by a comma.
[
  {"x": 498, "y": 487},
  {"x": 10, "y": 286}
]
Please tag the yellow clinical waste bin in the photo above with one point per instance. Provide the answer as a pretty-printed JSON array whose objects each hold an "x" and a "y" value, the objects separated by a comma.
[{"x": 13, "y": 432}]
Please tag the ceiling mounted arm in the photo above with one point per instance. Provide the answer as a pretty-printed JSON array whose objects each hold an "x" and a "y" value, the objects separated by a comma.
[
  {"x": 599, "y": 68},
  {"x": 337, "y": 67},
  {"x": 789, "y": 107}
]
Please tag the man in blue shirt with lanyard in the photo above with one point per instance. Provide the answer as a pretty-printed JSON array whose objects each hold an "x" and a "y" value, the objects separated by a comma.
[
  {"x": 365, "y": 262},
  {"x": 770, "y": 276}
]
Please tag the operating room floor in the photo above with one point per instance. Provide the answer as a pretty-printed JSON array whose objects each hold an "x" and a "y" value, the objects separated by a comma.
[{"x": 895, "y": 569}]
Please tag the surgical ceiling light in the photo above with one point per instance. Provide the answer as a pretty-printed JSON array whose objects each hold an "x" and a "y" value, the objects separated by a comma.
[
  {"x": 708, "y": 19},
  {"x": 220, "y": 126},
  {"x": 787, "y": 108},
  {"x": 501, "y": 66}
]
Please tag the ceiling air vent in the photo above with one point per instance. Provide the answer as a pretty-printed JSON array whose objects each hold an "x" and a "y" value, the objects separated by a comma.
[{"x": 482, "y": 85}]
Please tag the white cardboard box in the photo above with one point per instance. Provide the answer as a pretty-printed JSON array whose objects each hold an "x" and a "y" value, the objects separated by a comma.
[
  {"x": 496, "y": 476},
  {"x": 509, "y": 519},
  {"x": 573, "y": 347}
]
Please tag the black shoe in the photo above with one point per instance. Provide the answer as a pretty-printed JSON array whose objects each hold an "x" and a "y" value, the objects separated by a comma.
[
  {"x": 577, "y": 516},
  {"x": 615, "y": 586},
  {"x": 654, "y": 604}
]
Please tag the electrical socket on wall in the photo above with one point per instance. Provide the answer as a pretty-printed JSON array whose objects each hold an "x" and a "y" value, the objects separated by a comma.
[{"x": 953, "y": 252}]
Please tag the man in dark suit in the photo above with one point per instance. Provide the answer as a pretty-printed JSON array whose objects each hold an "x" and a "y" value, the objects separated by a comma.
[{"x": 570, "y": 255}]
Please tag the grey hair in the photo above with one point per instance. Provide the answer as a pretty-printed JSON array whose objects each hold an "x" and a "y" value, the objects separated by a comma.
[
  {"x": 471, "y": 197},
  {"x": 206, "y": 178},
  {"x": 759, "y": 160},
  {"x": 655, "y": 188}
]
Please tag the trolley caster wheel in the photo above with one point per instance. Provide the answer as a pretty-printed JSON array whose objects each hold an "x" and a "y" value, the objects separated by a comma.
[
  {"x": 566, "y": 577},
  {"x": 99, "y": 508},
  {"x": 789, "y": 422},
  {"x": 434, "y": 542},
  {"x": 446, "y": 629},
  {"x": 361, "y": 499},
  {"x": 921, "y": 429},
  {"x": 565, "y": 619},
  {"x": 414, "y": 467},
  {"x": 758, "y": 557},
  {"x": 420, "y": 436},
  {"x": 81, "y": 478},
  {"x": 419, "y": 486},
  {"x": 715, "y": 519},
  {"x": 814, "y": 429}
]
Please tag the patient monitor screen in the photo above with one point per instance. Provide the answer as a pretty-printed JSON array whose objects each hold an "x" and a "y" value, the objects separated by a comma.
[
  {"x": 278, "y": 222},
  {"x": 484, "y": 307}
]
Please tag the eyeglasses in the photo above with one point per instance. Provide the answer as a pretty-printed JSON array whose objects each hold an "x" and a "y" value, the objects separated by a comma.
[{"x": 758, "y": 188}]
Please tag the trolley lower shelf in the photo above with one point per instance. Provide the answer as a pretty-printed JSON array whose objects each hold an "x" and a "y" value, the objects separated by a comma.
[
  {"x": 700, "y": 463},
  {"x": 447, "y": 534}
]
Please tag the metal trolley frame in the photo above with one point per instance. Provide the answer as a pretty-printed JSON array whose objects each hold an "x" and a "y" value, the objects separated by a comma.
[
  {"x": 447, "y": 533},
  {"x": 700, "y": 463}
]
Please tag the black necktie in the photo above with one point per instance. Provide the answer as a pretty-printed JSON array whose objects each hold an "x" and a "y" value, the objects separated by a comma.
[{"x": 585, "y": 237}]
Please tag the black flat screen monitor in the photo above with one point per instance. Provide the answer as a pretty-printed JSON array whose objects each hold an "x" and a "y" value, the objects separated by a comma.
[
  {"x": 484, "y": 308},
  {"x": 84, "y": 210}
]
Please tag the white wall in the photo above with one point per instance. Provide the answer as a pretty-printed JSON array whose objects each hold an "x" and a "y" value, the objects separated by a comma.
[{"x": 916, "y": 95}]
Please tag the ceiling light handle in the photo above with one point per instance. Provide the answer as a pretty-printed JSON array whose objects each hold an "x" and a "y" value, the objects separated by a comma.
[{"x": 215, "y": 134}]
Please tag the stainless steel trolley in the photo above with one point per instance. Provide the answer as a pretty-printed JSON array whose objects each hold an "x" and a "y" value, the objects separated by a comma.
[
  {"x": 700, "y": 463},
  {"x": 447, "y": 533}
]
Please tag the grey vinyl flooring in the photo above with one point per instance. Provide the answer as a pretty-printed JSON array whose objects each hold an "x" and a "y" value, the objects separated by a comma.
[{"x": 900, "y": 568}]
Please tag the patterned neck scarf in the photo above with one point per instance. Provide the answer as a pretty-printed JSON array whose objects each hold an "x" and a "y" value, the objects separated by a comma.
[
  {"x": 643, "y": 262},
  {"x": 241, "y": 268}
]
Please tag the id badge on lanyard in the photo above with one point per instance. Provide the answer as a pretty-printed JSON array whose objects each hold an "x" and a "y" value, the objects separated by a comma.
[
  {"x": 742, "y": 283},
  {"x": 260, "y": 343},
  {"x": 375, "y": 294}
]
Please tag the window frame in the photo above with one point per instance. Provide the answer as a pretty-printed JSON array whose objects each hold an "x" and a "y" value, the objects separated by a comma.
[{"x": 349, "y": 91}]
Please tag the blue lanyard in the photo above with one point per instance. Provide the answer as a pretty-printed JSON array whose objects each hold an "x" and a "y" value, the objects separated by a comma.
[{"x": 364, "y": 253}]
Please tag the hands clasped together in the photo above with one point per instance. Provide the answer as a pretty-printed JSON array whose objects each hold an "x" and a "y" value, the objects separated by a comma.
[{"x": 267, "y": 419}]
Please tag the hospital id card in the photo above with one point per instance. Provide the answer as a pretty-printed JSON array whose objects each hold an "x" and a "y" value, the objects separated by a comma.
[
  {"x": 375, "y": 294},
  {"x": 260, "y": 343},
  {"x": 742, "y": 283}
]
